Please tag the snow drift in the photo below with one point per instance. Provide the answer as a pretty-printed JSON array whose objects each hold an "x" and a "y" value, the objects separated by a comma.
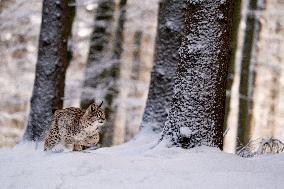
[{"x": 137, "y": 165}]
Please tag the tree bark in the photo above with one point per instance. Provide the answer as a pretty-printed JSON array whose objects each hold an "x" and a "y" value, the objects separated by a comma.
[
  {"x": 231, "y": 66},
  {"x": 135, "y": 71},
  {"x": 247, "y": 75},
  {"x": 168, "y": 41},
  {"x": 103, "y": 65},
  {"x": 48, "y": 91},
  {"x": 135, "y": 93},
  {"x": 267, "y": 118},
  {"x": 98, "y": 58},
  {"x": 197, "y": 110},
  {"x": 114, "y": 133}
]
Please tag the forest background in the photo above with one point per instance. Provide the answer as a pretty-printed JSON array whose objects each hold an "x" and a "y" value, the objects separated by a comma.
[{"x": 255, "y": 87}]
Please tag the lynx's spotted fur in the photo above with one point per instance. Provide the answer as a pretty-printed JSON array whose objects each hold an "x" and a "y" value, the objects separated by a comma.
[{"x": 74, "y": 128}]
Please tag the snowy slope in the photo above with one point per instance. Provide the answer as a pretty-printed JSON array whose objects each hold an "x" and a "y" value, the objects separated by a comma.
[{"x": 136, "y": 165}]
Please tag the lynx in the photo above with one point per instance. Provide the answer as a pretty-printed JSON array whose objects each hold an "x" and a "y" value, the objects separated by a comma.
[{"x": 74, "y": 128}]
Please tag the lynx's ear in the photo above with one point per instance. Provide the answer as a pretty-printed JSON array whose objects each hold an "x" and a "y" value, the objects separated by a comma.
[
  {"x": 101, "y": 104},
  {"x": 54, "y": 110}
]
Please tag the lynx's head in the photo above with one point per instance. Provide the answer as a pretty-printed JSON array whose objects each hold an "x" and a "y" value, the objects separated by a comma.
[{"x": 94, "y": 116}]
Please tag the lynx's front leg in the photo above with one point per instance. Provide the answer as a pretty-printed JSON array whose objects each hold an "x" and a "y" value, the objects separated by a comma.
[
  {"x": 78, "y": 140},
  {"x": 91, "y": 141},
  {"x": 78, "y": 147}
]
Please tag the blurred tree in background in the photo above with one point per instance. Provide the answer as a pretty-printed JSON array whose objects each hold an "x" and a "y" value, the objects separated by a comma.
[
  {"x": 103, "y": 65},
  {"x": 247, "y": 74},
  {"x": 168, "y": 42}
]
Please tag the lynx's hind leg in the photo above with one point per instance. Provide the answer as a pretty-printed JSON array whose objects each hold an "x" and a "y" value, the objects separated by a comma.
[{"x": 53, "y": 137}]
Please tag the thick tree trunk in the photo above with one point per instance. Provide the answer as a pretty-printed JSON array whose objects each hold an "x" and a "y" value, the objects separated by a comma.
[
  {"x": 197, "y": 109},
  {"x": 51, "y": 66},
  {"x": 166, "y": 60}
]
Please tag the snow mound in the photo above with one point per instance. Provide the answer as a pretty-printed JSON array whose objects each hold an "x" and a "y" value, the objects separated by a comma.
[
  {"x": 185, "y": 132},
  {"x": 137, "y": 164}
]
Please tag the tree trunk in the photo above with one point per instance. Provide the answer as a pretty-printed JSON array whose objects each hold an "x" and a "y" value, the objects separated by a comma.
[
  {"x": 232, "y": 100},
  {"x": 48, "y": 91},
  {"x": 247, "y": 75},
  {"x": 135, "y": 93},
  {"x": 98, "y": 58},
  {"x": 231, "y": 66},
  {"x": 115, "y": 134},
  {"x": 166, "y": 60},
  {"x": 197, "y": 110},
  {"x": 135, "y": 71},
  {"x": 103, "y": 65},
  {"x": 268, "y": 94}
]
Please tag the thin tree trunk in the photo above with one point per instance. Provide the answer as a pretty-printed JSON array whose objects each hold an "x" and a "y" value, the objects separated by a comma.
[
  {"x": 98, "y": 72},
  {"x": 231, "y": 116},
  {"x": 48, "y": 91},
  {"x": 166, "y": 60},
  {"x": 98, "y": 58},
  {"x": 135, "y": 92},
  {"x": 115, "y": 134},
  {"x": 135, "y": 71},
  {"x": 247, "y": 75},
  {"x": 197, "y": 110},
  {"x": 103, "y": 65},
  {"x": 118, "y": 42},
  {"x": 231, "y": 67}
]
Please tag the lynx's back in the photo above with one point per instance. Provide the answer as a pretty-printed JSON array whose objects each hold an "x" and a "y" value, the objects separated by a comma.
[{"x": 69, "y": 119}]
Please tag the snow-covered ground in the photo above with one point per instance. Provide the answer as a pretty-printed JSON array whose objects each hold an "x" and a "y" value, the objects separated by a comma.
[{"x": 137, "y": 165}]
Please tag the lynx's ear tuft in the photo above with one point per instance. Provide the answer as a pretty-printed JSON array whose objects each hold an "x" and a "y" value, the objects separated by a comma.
[
  {"x": 101, "y": 104},
  {"x": 54, "y": 110}
]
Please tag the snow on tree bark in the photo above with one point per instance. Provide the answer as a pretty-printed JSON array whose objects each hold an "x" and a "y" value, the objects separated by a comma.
[
  {"x": 48, "y": 91},
  {"x": 166, "y": 60},
  {"x": 199, "y": 93}
]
